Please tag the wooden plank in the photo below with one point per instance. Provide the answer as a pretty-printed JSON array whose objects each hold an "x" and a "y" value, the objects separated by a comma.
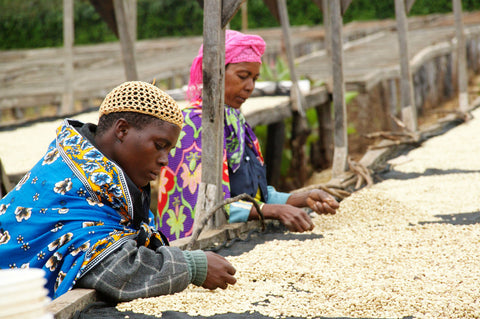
[
  {"x": 461, "y": 57},
  {"x": 65, "y": 306},
  {"x": 128, "y": 47},
  {"x": 340, "y": 153},
  {"x": 67, "y": 106},
  {"x": 409, "y": 111}
]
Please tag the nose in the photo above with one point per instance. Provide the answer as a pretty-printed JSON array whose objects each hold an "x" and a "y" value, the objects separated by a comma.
[
  {"x": 162, "y": 159},
  {"x": 250, "y": 85}
]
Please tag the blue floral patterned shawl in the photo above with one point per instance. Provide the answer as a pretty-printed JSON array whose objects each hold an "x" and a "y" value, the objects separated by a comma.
[{"x": 70, "y": 211}]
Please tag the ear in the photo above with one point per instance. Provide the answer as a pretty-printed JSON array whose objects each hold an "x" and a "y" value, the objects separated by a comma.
[{"x": 121, "y": 128}]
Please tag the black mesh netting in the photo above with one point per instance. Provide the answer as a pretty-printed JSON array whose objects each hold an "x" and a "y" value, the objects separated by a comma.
[{"x": 235, "y": 247}]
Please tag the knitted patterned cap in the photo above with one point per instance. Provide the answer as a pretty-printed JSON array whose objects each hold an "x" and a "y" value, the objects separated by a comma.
[{"x": 142, "y": 97}]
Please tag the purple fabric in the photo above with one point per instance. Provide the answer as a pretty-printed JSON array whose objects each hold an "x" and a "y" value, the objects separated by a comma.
[{"x": 179, "y": 181}]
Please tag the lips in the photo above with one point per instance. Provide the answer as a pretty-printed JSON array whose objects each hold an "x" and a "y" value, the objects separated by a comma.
[
  {"x": 241, "y": 100},
  {"x": 153, "y": 175}
]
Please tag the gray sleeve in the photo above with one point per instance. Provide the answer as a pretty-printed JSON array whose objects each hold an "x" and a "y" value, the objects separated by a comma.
[{"x": 132, "y": 272}]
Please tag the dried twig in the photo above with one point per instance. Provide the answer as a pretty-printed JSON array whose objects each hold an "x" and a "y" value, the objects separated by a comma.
[
  {"x": 363, "y": 174},
  {"x": 212, "y": 211},
  {"x": 330, "y": 189}
]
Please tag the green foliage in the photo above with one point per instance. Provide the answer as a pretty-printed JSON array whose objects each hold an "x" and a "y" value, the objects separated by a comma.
[
  {"x": 312, "y": 121},
  {"x": 30, "y": 23},
  {"x": 275, "y": 73},
  {"x": 38, "y": 23},
  {"x": 169, "y": 18}
]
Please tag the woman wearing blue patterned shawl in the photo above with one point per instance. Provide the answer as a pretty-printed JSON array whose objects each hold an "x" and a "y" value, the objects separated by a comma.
[
  {"x": 82, "y": 212},
  {"x": 244, "y": 170}
]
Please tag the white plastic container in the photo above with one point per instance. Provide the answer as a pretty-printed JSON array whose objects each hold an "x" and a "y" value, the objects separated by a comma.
[{"x": 23, "y": 294}]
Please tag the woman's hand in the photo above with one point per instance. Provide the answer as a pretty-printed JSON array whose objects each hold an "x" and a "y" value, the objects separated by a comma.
[
  {"x": 219, "y": 273},
  {"x": 294, "y": 218},
  {"x": 321, "y": 202}
]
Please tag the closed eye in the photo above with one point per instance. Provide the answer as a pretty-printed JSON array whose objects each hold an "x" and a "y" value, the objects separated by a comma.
[{"x": 159, "y": 146}]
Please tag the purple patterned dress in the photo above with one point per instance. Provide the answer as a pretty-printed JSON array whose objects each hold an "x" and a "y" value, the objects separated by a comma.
[{"x": 179, "y": 181}]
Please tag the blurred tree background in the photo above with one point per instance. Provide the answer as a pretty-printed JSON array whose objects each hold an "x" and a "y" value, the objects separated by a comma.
[{"x": 38, "y": 23}]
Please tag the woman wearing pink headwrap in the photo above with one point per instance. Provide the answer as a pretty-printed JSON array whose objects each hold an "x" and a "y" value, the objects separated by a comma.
[{"x": 243, "y": 170}]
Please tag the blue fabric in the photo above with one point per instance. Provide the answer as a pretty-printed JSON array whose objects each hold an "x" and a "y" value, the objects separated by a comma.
[
  {"x": 249, "y": 177},
  {"x": 275, "y": 197},
  {"x": 239, "y": 211},
  {"x": 69, "y": 212}
]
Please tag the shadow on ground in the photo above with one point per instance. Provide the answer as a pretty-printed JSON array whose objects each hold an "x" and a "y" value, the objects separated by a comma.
[
  {"x": 456, "y": 219},
  {"x": 393, "y": 174}
]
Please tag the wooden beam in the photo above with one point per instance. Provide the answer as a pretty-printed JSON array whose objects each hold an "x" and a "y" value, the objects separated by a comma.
[
  {"x": 340, "y": 153},
  {"x": 127, "y": 45},
  {"x": 273, "y": 7},
  {"x": 67, "y": 106},
  {"x": 409, "y": 110},
  {"x": 344, "y": 5},
  {"x": 106, "y": 11},
  {"x": 461, "y": 57},
  {"x": 65, "y": 306},
  {"x": 210, "y": 191},
  {"x": 229, "y": 8},
  {"x": 409, "y": 5}
]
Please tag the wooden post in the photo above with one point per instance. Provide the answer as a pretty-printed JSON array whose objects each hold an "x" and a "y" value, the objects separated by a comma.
[
  {"x": 298, "y": 101},
  {"x": 5, "y": 185},
  {"x": 244, "y": 16},
  {"x": 340, "y": 152},
  {"x": 210, "y": 189},
  {"x": 461, "y": 57},
  {"x": 325, "y": 131},
  {"x": 327, "y": 23},
  {"x": 67, "y": 106},
  {"x": 124, "y": 33},
  {"x": 409, "y": 110},
  {"x": 132, "y": 19},
  {"x": 274, "y": 153}
]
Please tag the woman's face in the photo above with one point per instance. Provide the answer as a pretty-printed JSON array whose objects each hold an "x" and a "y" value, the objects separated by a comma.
[{"x": 239, "y": 82}]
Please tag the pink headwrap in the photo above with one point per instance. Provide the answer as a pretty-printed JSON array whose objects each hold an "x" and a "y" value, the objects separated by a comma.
[{"x": 239, "y": 47}]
